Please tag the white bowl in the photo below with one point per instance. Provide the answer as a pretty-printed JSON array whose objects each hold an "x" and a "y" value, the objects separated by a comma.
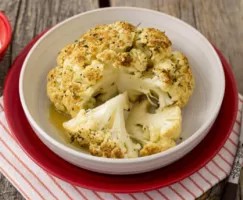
[{"x": 198, "y": 115}]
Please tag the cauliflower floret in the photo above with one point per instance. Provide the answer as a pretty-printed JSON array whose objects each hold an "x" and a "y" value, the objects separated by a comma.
[
  {"x": 73, "y": 88},
  {"x": 157, "y": 131},
  {"x": 107, "y": 56},
  {"x": 154, "y": 43},
  {"x": 103, "y": 131},
  {"x": 176, "y": 77},
  {"x": 118, "y": 36},
  {"x": 169, "y": 82}
]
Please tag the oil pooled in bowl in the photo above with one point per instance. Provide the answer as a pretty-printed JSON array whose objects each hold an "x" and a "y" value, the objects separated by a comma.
[{"x": 57, "y": 119}]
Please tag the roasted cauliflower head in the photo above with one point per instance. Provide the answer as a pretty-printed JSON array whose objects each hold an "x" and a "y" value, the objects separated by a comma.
[{"x": 120, "y": 58}]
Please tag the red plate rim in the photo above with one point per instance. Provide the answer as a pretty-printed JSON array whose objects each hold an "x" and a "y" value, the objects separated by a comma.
[{"x": 40, "y": 154}]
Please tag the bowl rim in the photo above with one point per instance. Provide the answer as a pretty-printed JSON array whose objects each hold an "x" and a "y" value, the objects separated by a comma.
[
  {"x": 8, "y": 29},
  {"x": 76, "y": 153}
]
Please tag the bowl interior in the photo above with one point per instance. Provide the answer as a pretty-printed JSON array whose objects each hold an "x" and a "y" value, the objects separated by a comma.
[{"x": 209, "y": 77}]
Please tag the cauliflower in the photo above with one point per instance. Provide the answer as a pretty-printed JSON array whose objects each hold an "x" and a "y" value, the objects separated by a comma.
[
  {"x": 157, "y": 131},
  {"x": 154, "y": 43},
  {"x": 114, "y": 58},
  {"x": 103, "y": 131}
]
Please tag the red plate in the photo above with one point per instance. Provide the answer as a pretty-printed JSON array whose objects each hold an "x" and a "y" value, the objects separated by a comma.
[{"x": 49, "y": 161}]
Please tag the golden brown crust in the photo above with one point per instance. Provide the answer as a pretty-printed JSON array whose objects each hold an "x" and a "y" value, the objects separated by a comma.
[
  {"x": 150, "y": 150},
  {"x": 124, "y": 59},
  {"x": 153, "y": 148},
  {"x": 177, "y": 77},
  {"x": 53, "y": 89},
  {"x": 154, "y": 42},
  {"x": 154, "y": 38},
  {"x": 97, "y": 145},
  {"x": 93, "y": 73},
  {"x": 64, "y": 53}
]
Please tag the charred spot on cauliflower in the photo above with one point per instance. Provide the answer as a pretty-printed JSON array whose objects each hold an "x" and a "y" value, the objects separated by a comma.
[{"x": 132, "y": 62}]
